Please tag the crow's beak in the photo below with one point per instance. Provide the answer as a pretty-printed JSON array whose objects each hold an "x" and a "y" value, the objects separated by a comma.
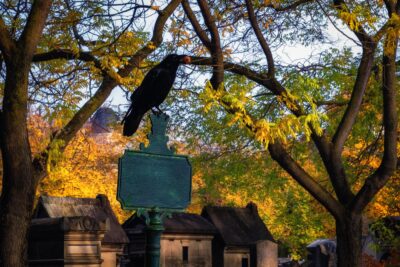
[{"x": 187, "y": 60}]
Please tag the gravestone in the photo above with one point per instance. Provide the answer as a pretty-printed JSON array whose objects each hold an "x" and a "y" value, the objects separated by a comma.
[{"x": 322, "y": 253}]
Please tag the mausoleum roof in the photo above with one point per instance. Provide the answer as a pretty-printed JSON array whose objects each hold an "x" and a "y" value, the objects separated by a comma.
[
  {"x": 98, "y": 208},
  {"x": 179, "y": 223},
  {"x": 238, "y": 226}
]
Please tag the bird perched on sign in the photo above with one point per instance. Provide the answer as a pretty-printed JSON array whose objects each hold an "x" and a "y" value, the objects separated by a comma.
[{"x": 152, "y": 92}]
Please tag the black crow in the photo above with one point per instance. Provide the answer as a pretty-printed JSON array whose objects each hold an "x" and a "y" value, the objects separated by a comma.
[{"x": 152, "y": 92}]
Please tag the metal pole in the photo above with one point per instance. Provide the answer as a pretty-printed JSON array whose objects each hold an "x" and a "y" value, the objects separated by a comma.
[{"x": 153, "y": 238}]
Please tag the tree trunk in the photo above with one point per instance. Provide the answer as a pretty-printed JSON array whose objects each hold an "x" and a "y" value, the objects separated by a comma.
[
  {"x": 16, "y": 211},
  {"x": 348, "y": 234},
  {"x": 19, "y": 183}
]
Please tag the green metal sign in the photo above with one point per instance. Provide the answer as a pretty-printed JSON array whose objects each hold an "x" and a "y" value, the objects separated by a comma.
[{"x": 154, "y": 176}]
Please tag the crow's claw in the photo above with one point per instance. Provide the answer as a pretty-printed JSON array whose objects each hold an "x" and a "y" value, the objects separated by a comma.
[{"x": 157, "y": 111}]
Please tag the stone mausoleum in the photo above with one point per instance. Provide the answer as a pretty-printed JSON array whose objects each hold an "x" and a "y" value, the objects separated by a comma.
[
  {"x": 219, "y": 237},
  {"x": 186, "y": 241},
  {"x": 242, "y": 240},
  {"x": 78, "y": 232},
  {"x": 75, "y": 232}
]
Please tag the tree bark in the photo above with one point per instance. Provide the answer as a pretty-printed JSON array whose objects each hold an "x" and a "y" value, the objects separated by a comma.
[
  {"x": 19, "y": 183},
  {"x": 18, "y": 192},
  {"x": 348, "y": 239}
]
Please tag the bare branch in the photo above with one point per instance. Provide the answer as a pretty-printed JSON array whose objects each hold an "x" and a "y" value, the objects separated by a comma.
[
  {"x": 290, "y": 6},
  {"x": 260, "y": 38},
  {"x": 255, "y": 76},
  {"x": 156, "y": 40},
  {"x": 215, "y": 45},
  {"x": 334, "y": 24},
  {"x": 196, "y": 25},
  {"x": 68, "y": 55},
  {"x": 349, "y": 117}
]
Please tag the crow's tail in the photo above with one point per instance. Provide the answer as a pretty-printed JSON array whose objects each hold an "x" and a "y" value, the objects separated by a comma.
[{"x": 132, "y": 121}]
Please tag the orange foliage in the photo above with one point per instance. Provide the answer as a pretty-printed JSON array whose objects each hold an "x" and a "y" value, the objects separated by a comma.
[{"x": 88, "y": 166}]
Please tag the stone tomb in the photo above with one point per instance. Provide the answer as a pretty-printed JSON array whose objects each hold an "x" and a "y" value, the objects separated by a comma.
[
  {"x": 186, "y": 241},
  {"x": 220, "y": 237},
  {"x": 66, "y": 241},
  {"x": 112, "y": 239},
  {"x": 243, "y": 240}
]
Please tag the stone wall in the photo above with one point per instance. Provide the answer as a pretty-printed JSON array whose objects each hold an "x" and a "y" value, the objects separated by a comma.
[
  {"x": 235, "y": 257},
  {"x": 198, "y": 249},
  {"x": 110, "y": 254},
  {"x": 267, "y": 254},
  {"x": 66, "y": 241}
]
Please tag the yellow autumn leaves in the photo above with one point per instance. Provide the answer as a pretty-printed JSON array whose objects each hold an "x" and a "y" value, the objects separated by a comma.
[
  {"x": 362, "y": 17},
  {"x": 264, "y": 131}
]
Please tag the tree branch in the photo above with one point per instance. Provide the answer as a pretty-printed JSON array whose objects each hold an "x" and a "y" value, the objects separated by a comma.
[
  {"x": 332, "y": 103},
  {"x": 260, "y": 38},
  {"x": 290, "y": 6},
  {"x": 65, "y": 135},
  {"x": 334, "y": 161},
  {"x": 7, "y": 44},
  {"x": 68, "y": 55},
  {"x": 390, "y": 6},
  {"x": 390, "y": 121},
  {"x": 214, "y": 46},
  {"x": 261, "y": 79},
  {"x": 360, "y": 32},
  {"x": 348, "y": 119},
  {"x": 277, "y": 151},
  {"x": 280, "y": 155},
  {"x": 324, "y": 146},
  {"x": 155, "y": 41},
  {"x": 34, "y": 26},
  {"x": 2, "y": 127},
  {"x": 196, "y": 25}
]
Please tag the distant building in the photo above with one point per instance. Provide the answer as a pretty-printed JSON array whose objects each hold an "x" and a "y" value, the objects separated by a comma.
[
  {"x": 99, "y": 209},
  {"x": 103, "y": 119},
  {"x": 220, "y": 237},
  {"x": 322, "y": 253},
  {"x": 243, "y": 240}
]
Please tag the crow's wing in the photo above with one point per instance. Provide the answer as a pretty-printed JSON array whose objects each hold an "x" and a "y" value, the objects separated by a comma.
[{"x": 155, "y": 83}]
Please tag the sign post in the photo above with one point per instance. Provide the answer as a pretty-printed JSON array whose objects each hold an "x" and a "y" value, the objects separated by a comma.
[
  {"x": 153, "y": 238},
  {"x": 156, "y": 180}
]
